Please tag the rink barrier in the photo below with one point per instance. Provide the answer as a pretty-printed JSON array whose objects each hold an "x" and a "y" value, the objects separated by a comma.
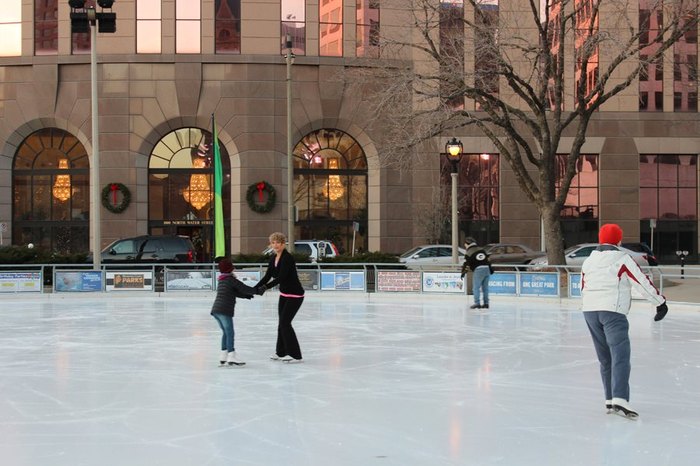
[{"x": 509, "y": 280}]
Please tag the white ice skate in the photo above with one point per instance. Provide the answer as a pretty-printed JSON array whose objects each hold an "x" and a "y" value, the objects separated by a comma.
[
  {"x": 232, "y": 360},
  {"x": 290, "y": 360},
  {"x": 222, "y": 357},
  {"x": 622, "y": 408}
]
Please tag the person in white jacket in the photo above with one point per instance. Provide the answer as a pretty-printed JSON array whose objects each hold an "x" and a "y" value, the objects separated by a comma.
[{"x": 607, "y": 278}]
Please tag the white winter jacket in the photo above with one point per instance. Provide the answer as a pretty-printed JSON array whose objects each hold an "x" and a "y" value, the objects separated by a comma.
[{"x": 607, "y": 278}]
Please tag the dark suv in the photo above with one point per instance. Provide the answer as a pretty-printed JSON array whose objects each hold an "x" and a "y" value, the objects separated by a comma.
[
  {"x": 644, "y": 249},
  {"x": 150, "y": 249}
]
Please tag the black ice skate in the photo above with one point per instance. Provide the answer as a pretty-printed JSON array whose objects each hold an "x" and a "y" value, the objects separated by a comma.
[{"x": 622, "y": 408}]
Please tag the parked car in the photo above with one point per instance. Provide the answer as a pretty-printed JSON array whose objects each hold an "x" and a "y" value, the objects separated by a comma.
[
  {"x": 506, "y": 253},
  {"x": 575, "y": 255},
  {"x": 430, "y": 254},
  {"x": 312, "y": 247},
  {"x": 150, "y": 249},
  {"x": 644, "y": 249}
]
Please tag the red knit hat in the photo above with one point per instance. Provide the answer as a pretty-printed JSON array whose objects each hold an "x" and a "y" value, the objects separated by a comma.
[
  {"x": 610, "y": 233},
  {"x": 225, "y": 266}
]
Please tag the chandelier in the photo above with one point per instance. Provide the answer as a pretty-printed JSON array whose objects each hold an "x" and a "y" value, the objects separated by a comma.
[
  {"x": 334, "y": 190},
  {"x": 61, "y": 187},
  {"x": 198, "y": 193}
]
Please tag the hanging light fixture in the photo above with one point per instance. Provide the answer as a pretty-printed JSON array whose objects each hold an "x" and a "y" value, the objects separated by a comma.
[
  {"x": 198, "y": 193},
  {"x": 335, "y": 189},
  {"x": 61, "y": 187}
]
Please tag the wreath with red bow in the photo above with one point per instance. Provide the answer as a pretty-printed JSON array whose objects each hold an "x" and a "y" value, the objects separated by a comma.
[
  {"x": 110, "y": 197},
  {"x": 255, "y": 196}
]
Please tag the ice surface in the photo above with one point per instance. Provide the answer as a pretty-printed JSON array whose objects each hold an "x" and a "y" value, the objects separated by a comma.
[{"x": 102, "y": 380}]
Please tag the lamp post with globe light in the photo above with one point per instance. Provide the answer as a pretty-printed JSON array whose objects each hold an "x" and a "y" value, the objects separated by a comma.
[
  {"x": 453, "y": 152},
  {"x": 86, "y": 19}
]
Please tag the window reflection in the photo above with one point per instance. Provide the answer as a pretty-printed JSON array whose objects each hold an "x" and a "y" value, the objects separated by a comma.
[
  {"x": 685, "y": 70},
  {"x": 46, "y": 27},
  {"x": 668, "y": 187},
  {"x": 452, "y": 49},
  {"x": 651, "y": 86},
  {"x": 582, "y": 198},
  {"x": 148, "y": 26},
  {"x": 368, "y": 28},
  {"x": 330, "y": 187},
  {"x": 227, "y": 26},
  {"x": 80, "y": 42},
  {"x": 293, "y": 23},
  {"x": 50, "y": 205},
  {"x": 187, "y": 26},
  {"x": 331, "y": 28},
  {"x": 485, "y": 48},
  {"x": 11, "y": 28}
]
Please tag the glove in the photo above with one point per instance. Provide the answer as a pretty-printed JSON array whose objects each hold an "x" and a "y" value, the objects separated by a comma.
[
  {"x": 462, "y": 275},
  {"x": 661, "y": 311},
  {"x": 260, "y": 289}
]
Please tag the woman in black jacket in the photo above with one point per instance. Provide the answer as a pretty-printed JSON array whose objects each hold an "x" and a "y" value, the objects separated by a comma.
[
  {"x": 282, "y": 271},
  {"x": 227, "y": 289}
]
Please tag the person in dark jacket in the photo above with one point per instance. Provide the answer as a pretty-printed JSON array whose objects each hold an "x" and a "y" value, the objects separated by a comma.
[
  {"x": 227, "y": 290},
  {"x": 476, "y": 260},
  {"x": 282, "y": 271}
]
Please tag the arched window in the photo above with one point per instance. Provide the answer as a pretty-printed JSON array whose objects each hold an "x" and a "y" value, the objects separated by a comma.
[
  {"x": 50, "y": 192},
  {"x": 181, "y": 188},
  {"x": 330, "y": 188}
]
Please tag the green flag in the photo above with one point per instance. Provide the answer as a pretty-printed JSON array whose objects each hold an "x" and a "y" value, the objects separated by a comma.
[{"x": 219, "y": 235}]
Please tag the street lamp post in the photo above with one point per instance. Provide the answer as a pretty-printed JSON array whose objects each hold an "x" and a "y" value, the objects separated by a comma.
[
  {"x": 453, "y": 151},
  {"x": 87, "y": 19},
  {"x": 289, "y": 58}
]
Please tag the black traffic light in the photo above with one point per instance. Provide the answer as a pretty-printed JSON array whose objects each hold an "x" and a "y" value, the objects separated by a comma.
[{"x": 106, "y": 22}]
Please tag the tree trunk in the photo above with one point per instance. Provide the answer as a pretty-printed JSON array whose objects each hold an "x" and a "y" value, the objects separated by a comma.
[{"x": 554, "y": 237}]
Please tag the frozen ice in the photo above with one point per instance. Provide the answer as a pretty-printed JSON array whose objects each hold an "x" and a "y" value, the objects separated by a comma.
[{"x": 107, "y": 380}]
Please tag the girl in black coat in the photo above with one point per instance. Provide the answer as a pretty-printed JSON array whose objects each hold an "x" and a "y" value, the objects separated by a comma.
[
  {"x": 282, "y": 271},
  {"x": 227, "y": 289}
]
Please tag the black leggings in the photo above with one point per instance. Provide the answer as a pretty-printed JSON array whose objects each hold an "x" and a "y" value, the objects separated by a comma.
[{"x": 287, "y": 343}]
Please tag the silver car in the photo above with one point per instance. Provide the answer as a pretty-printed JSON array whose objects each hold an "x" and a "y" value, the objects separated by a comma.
[
  {"x": 575, "y": 255},
  {"x": 430, "y": 255}
]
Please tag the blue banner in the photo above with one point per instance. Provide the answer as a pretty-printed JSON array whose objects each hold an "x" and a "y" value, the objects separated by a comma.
[
  {"x": 505, "y": 284},
  {"x": 82, "y": 281},
  {"x": 539, "y": 284},
  {"x": 351, "y": 281},
  {"x": 574, "y": 285}
]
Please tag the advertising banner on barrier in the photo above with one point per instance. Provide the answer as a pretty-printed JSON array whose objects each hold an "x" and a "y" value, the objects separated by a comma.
[
  {"x": 539, "y": 284},
  {"x": 503, "y": 284},
  {"x": 341, "y": 280},
  {"x": 189, "y": 280},
  {"x": 443, "y": 282},
  {"x": 129, "y": 281},
  {"x": 248, "y": 277},
  {"x": 574, "y": 285},
  {"x": 399, "y": 281},
  {"x": 308, "y": 279},
  {"x": 78, "y": 281},
  {"x": 20, "y": 282}
]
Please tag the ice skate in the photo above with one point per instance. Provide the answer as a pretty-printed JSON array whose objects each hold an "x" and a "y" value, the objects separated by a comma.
[
  {"x": 622, "y": 408},
  {"x": 275, "y": 357},
  {"x": 608, "y": 406},
  {"x": 290, "y": 360},
  {"x": 232, "y": 360},
  {"x": 222, "y": 357},
  {"x": 485, "y": 306},
  {"x": 475, "y": 306}
]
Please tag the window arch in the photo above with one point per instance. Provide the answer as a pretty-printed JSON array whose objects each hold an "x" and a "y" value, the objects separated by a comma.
[
  {"x": 181, "y": 188},
  {"x": 330, "y": 188},
  {"x": 50, "y": 192}
]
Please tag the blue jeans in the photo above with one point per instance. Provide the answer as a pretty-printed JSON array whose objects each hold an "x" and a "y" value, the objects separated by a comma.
[
  {"x": 480, "y": 282},
  {"x": 226, "y": 324},
  {"x": 610, "y": 332}
]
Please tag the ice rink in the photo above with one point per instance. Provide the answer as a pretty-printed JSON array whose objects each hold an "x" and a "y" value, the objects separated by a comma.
[{"x": 107, "y": 380}]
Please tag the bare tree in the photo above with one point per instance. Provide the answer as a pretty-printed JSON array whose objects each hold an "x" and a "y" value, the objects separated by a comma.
[
  {"x": 517, "y": 81},
  {"x": 433, "y": 221}
]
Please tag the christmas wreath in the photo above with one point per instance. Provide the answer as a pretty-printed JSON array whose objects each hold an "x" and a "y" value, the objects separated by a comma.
[
  {"x": 110, "y": 199},
  {"x": 260, "y": 205}
]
